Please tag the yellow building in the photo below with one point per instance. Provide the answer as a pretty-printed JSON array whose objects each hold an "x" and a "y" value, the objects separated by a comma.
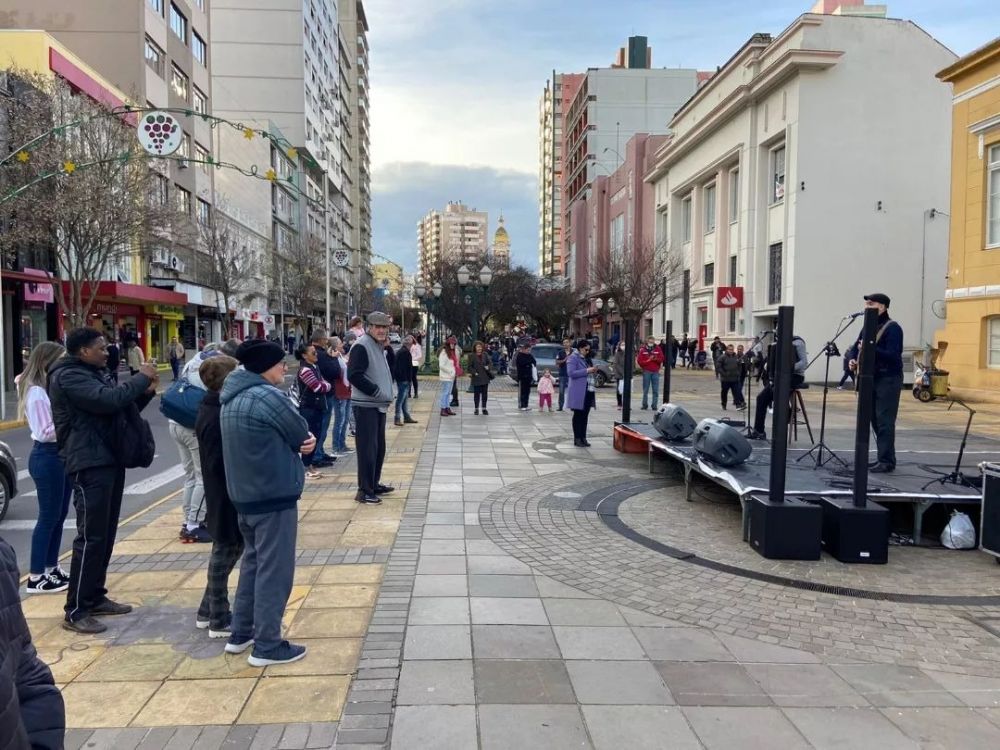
[
  {"x": 388, "y": 276},
  {"x": 972, "y": 330}
]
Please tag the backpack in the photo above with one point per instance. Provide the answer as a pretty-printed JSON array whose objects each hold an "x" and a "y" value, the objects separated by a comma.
[
  {"x": 136, "y": 445},
  {"x": 181, "y": 401},
  {"x": 294, "y": 394}
]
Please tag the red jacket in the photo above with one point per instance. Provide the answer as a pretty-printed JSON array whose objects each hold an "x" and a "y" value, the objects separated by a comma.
[{"x": 650, "y": 359}]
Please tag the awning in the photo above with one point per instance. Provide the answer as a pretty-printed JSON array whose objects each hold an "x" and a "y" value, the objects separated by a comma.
[{"x": 136, "y": 294}]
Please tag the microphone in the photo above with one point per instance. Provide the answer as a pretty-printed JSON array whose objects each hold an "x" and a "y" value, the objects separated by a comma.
[{"x": 852, "y": 316}]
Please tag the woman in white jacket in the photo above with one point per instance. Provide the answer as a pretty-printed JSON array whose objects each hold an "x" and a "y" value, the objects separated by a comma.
[
  {"x": 417, "y": 355},
  {"x": 446, "y": 374}
]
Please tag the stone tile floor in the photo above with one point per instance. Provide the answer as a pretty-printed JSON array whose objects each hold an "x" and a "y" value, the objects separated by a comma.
[{"x": 483, "y": 639}]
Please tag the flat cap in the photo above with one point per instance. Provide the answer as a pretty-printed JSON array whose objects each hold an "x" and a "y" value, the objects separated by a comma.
[
  {"x": 878, "y": 297},
  {"x": 379, "y": 319}
]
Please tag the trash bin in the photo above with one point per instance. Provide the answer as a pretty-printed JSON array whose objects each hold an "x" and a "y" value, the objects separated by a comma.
[{"x": 939, "y": 383}]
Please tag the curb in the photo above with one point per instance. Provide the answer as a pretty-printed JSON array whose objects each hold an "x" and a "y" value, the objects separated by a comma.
[{"x": 12, "y": 424}]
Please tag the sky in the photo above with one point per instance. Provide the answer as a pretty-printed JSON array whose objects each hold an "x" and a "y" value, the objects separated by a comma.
[{"x": 455, "y": 86}]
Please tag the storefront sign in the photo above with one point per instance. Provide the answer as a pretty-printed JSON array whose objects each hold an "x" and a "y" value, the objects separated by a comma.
[
  {"x": 41, "y": 291},
  {"x": 104, "y": 308},
  {"x": 727, "y": 297},
  {"x": 167, "y": 312}
]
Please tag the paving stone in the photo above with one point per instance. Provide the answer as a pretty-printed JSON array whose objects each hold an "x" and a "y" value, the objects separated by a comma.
[
  {"x": 74, "y": 739},
  {"x": 531, "y": 727},
  {"x": 294, "y": 737},
  {"x": 239, "y": 737},
  {"x": 749, "y": 651},
  {"x": 498, "y": 564},
  {"x": 582, "y": 612},
  {"x": 438, "y": 642},
  {"x": 514, "y": 642},
  {"x": 435, "y": 683},
  {"x": 502, "y": 585},
  {"x": 609, "y": 643},
  {"x": 804, "y": 685},
  {"x": 552, "y": 589},
  {"x": 441, "y": 565},
  {"x": 434, "y": 728},
  {"x": 618, "y": 682},
  {"x": 981, "y": 692},
  {"x": 522, "y": 681},
  {"x": 639, "y": 728},
  {"x": 849, "y": 727},
  {"x": 439, "y": 610},
  {"x": 444, "y": 531},
  {"x": 747, "y": 729},
  {"x": 944, "y": 727},
  {"x": 893, "y": 685},
  {"x": 711, "y": 684},
  {"x": 440, "y": 585},
  {"x": 681, "y": 644},
  {"x": 507, "y": 611},
  {"x": 157, "y": 738},
  {"x": 211, "y": 738}
]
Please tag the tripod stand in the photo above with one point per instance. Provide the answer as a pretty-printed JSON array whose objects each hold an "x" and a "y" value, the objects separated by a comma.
[
  {"x": 956, "y": 476},
  {"x": 831, "y": 351},
  {"x": 749, "y": 431}
]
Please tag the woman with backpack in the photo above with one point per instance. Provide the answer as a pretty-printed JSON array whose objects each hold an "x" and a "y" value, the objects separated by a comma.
[{"x": 312, "y": 390}]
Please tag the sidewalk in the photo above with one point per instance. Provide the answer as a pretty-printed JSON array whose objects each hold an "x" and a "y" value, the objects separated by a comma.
[{"x": 511, "y": 602}]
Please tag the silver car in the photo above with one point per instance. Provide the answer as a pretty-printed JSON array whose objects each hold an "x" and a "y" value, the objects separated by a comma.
[{"x": 545, "y": 356}]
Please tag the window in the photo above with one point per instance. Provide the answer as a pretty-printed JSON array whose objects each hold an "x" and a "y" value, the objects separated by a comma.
[
  {"x": 179, "y": 23},
  {"x": 732, "y": 320},
  {"x": 709, "y": 208},
  {"x": 204, "y": 211},
  {"x": 198, "y": 48},
  {"x": 993, "y": 198},
  {"x": 183, "y": 200},
  {"x": 734, "y": 196},
  {"x": 686, "y": 220},
  {"x": 200, "y": 4},
  {"x": 774, "y": 274},
  {"x": 778, "y": 175},
  {"x": 993, "y": 342},
  {"x": 156, "y": 5},
  {"x": 732, "y": 270},
  {"x": 154, "y": 57},
  {"x": 185, "y": 147},
  {"x": 709, "y": 275},
  {"x": 618, "y": 233},
  {"x": 200, "y": 101},
  {"x": 686, "y": 301},
  {"x": 160, "y": 190},
  {"x": 179, "y": 82},
  {"x": 202, "y": 155}
]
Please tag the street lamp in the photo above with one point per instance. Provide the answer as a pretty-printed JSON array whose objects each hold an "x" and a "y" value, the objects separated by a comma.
[
  {"x": 474, "y": 292},
  {"x": 600, "y": 304}
]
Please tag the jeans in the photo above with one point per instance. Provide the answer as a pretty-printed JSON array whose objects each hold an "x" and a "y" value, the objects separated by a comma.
[
  {"x": 445, "y": 393},
  {"x": 194, "y": 487},
  {"x": 885, "y": 405},
  {"x": 732, "y": 387},
  {"x": 54, "y": 490},
  {"x": 650, "y": 380},
  {"x": 266, "y": 576},
  {"x": 480, "y": 393},
  {"x": 214, "y": 605},
  {"x": 402, "y": 394},
  {"x": 314, "y": 418},
  {"x": 97, "y": 497},
  {"x": 370, "y": 444},
  {"x": 341, "y": 407},
  {"x": 175, "y": 367},
  {"x": 324, "y": 430},
  {"x": 524, "y": 392},
  {"x": 562, "y": 390}
]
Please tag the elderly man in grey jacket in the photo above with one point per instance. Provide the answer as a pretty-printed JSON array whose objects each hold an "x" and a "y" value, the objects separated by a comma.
[{"x": 371, "y": 394}]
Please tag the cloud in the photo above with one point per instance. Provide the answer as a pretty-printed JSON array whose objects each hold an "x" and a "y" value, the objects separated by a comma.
[{"x": 403, "y": 192}]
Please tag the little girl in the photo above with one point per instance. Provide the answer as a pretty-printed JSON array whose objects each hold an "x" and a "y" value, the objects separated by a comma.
[{"x": 546, "y": 387}]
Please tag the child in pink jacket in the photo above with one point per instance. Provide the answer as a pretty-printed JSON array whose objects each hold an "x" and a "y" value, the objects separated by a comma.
[{"x": 546, "y": 387}]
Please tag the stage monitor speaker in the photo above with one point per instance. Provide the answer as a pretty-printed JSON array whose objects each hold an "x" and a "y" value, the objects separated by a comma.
[
  {"x": 855, "y": 535},
  {"x": 673, "y": 422},
  {"x": 789, "y": 530},
  {"x": 721, "y": 443},
  {"x": 989, "y": 529}
]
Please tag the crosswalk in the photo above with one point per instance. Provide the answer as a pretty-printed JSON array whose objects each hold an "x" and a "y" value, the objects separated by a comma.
[{"x": 142, "y": 487}]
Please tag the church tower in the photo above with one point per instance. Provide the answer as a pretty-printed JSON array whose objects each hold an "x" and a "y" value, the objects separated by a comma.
[{"x": 501, "y": 245}]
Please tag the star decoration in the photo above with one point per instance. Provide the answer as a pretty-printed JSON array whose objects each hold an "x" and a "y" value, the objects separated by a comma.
[
  {"x": 69, "y": 167},
  {"x": 248, "y": 134},
  {"x": 292, "y": 152},
  {"x": 270, "y": 175},
  {"x": 23, "y": 156}
]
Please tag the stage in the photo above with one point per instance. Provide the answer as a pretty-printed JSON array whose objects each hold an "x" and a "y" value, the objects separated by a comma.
[{"x": 803, "y": 479}]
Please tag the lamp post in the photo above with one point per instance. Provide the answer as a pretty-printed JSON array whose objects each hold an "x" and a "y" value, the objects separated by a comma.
[
  {"x": 600, "y": 304},
  {"x": 429, "y": 299},
  {"x": 473, "y": 293}
]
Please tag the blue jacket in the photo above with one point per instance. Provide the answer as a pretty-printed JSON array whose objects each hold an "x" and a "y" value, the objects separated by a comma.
[
  {"x": 889, "y": 349},
  {"x": 261, "y": 436}
]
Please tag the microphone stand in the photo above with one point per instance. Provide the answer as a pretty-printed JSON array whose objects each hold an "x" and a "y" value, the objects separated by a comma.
[
  {"x": 956, "y": 476},
  {"x": 758, "y": 340},
  {"x": 830, "y": 350}
]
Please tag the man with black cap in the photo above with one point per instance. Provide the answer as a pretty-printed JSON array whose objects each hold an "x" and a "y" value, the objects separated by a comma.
[
  {"x": 888, "y": 382},
  {"x": 371, "y": 394},
  {"x": 263, "y": 435}
]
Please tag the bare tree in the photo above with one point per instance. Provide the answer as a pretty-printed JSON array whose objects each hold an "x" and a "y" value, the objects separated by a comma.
[
  {"x": 234, "y": 263},
  {"x": 298, "y": 269},
  {"x": 550, "y": 305},
  {"x": 86, "y": 191},
  {"x": 638, "y": 278}
]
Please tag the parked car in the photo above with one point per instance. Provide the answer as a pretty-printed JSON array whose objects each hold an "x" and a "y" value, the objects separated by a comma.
[
  {"x": 545, "y": 356},
  {"x": 8, "y": 478},
  {"x": 394, "y": 338}
]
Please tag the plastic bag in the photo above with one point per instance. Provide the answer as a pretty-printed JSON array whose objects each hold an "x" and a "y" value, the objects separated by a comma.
[{"x": 959, "y": 533}]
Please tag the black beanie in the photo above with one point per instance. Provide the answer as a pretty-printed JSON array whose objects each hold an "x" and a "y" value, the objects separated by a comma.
[{"x": 259, "y": 355}]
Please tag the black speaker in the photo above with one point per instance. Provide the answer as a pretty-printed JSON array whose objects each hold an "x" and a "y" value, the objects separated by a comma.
[
  {"x": 855, "y": 535},
  {"x": 989, "y": 529},
  {"x": 721, "y": 443},
  {"x": 788, "y": 530},
  {"x": 673, "y": 422}
]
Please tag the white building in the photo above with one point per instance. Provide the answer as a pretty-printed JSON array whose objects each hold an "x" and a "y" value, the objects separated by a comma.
[
  {"x": 804, "y": 172},
  {"x": 458, "y": 232}
]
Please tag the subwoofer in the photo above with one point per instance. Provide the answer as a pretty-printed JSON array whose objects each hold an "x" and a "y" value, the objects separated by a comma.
[
  {"x": 855, "y": 535},
  {"x": 721, "y": 443},
  {"x": 784, "y": 530},
  {"x": 989, "y": 534},
  {"x": 673, "y": 422}
]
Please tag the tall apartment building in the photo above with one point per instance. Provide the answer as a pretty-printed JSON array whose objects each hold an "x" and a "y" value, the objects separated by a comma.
[
  {"x": 585, "y": 121},
  {"x": 278, "y": 62},
  {"x": 357, "y": 138},
  {"x": 458, "y": 232},
  {"x": 158, "y": 52}
]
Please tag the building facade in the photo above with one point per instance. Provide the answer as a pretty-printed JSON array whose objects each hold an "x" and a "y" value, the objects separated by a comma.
[
  {"x": 551, "y": 107},
  {"x": 458, "y": 232},
  {"x": 972, "y": 330},
  {"x": 789, "y": 179},
  {"x": 501, "y": 245}
]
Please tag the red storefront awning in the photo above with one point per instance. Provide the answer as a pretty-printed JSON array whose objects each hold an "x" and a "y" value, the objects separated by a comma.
[{"x": 135, "y": 294}]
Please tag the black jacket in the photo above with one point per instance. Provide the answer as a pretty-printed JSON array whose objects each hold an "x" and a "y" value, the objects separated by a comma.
[
  {"x": 402, "y": 366},
  {"x": 480, "y": 369},
  {"x": 220, "y": 517},
  {"x": 32, "y": 713},
  {"x": 523, "y": 363},
  {"x": 328, "y": 367},
  {"x": 88, "y": 411},
  {"x": 390, "y": 358}
]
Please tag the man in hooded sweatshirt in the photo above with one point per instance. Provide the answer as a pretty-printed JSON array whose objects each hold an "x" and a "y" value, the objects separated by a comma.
[{"x": 260, "y": 428}]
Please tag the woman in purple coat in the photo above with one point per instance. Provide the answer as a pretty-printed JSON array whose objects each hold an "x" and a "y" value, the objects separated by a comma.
[{"x": 581, "y": 393}]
